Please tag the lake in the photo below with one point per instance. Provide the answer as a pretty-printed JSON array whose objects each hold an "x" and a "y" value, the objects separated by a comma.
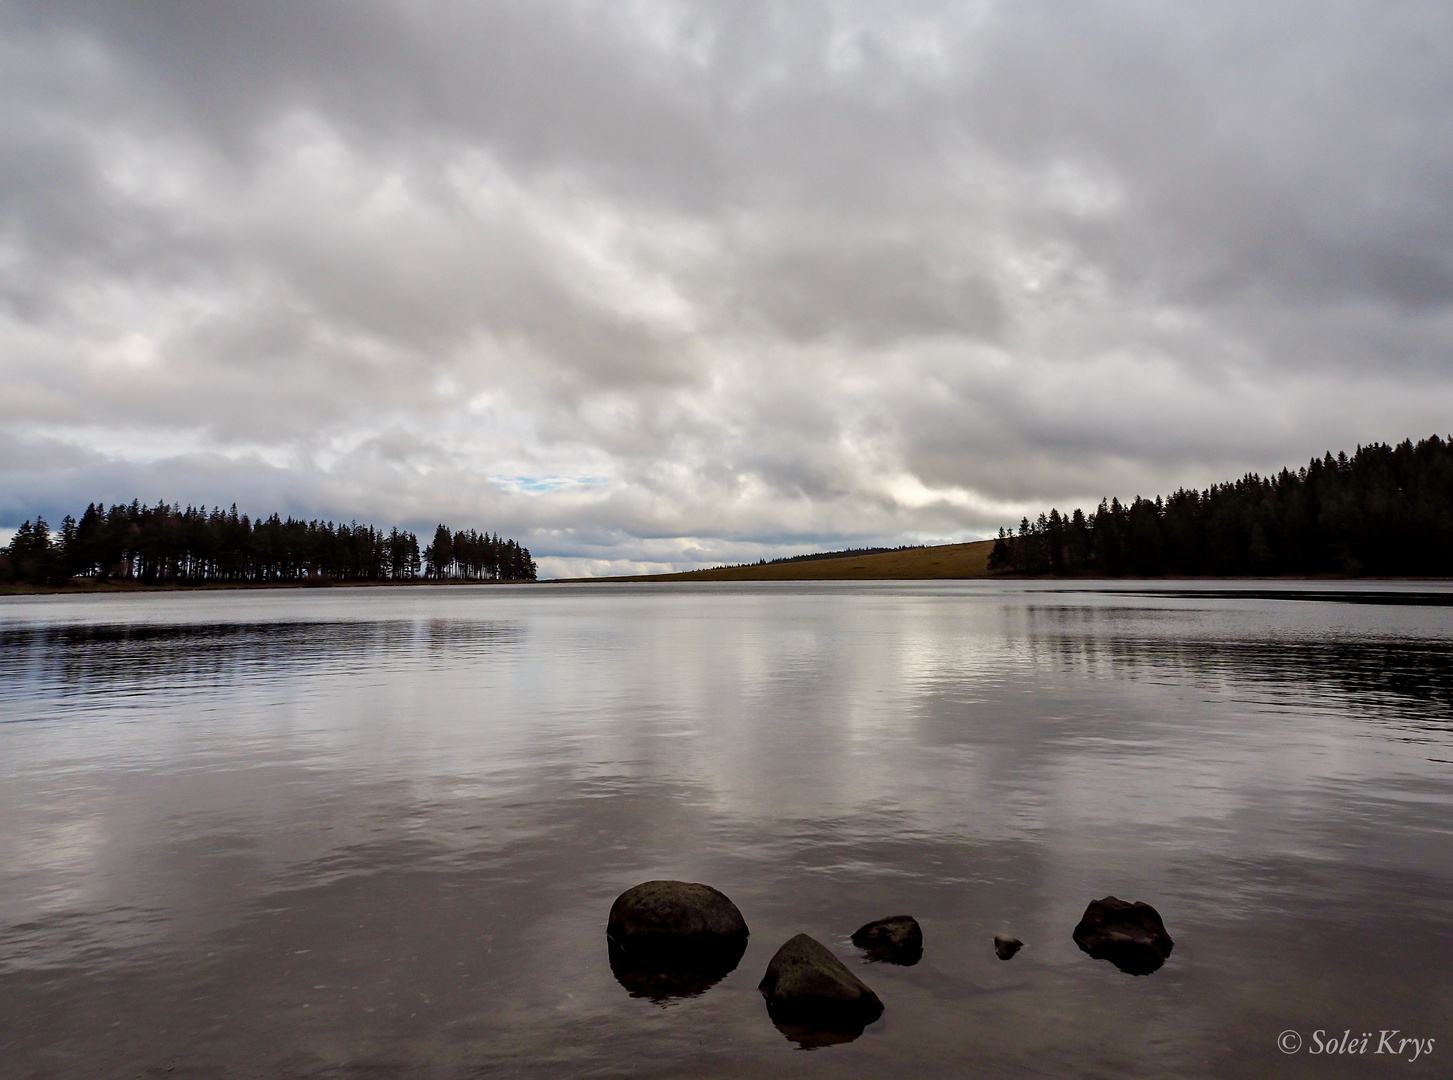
[{"x": 377, "y": 832}]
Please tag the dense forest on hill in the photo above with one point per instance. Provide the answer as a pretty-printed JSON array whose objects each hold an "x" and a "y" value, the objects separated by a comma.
[
  {"x": 159, "y": 544},
  {"x": 814, "y": 556},
  {"x": 1385, "y": 511}
]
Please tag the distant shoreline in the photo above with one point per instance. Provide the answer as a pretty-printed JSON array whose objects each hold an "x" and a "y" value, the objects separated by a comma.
[
  {"x": 944, "y": 562},
  {"x": 91, "y": 587}
]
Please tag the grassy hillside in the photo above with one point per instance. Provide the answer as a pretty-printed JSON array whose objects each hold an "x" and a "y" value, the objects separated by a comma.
[{"x": 946, "y": 561}]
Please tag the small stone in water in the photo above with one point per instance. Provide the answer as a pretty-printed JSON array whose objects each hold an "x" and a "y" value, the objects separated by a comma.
[{"x": 1006, "y": 946}]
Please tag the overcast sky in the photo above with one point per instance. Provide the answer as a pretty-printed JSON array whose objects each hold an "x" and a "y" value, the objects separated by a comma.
[{"x": 660, "y": 283}]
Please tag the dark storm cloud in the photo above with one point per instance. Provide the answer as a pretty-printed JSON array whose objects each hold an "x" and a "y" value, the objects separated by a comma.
[{"x": 650, "y": 281}]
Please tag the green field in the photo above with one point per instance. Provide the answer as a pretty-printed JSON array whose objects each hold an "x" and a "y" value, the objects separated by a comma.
[{"x": 945, "y": 561}]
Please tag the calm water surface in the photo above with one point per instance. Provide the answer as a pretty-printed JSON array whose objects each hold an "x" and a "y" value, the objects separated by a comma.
[{"x": 376, "y": 832}]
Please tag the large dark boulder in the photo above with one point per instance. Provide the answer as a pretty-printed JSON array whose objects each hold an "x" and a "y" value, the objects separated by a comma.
[
  {"x": 896, "y": 939},
  {"x": 673, "y": 938},
  {"x": 807, "y": 986},
  {"x": 1129, "y": 935},
  {"x": 672, "y": 916}
]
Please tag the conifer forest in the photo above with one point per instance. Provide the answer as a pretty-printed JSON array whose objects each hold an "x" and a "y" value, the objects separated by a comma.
[
  {"x": 195, "y": 546},
  {"x": 1386, "y": 511}
]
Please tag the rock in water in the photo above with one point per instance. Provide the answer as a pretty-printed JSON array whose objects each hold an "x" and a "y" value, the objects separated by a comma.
[
  {"x": 1130, "y": 936},
  {"x": 808, "y": 986},
  {"x": 674, "y": 915},
  {"x": 896, "y": 939},
  {"x": 1005, "y": 946},
  {"x": 673, "y": 938}
]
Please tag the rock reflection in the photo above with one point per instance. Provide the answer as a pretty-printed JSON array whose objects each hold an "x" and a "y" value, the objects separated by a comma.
[
  {"x": 662, "y": 977},
  {"x": 1130, "y": 957},
  {"x": 810, "y": 1038}
]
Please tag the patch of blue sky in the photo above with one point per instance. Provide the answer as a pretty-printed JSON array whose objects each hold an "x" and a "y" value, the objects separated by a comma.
[{"x": 539, "y": 485}]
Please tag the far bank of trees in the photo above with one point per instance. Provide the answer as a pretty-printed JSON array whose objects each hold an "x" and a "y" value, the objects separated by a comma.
[
  {"x": 1384, "y": 511},
  {"x": 477, "y": 556},
  {"x": 156, "y": 544}
]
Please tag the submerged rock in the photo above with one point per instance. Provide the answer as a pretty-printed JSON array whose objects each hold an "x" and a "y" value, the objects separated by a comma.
[
  {"x": 807, "y": 986},
  {"x": 1005, "y": 946},
  {"x": 896, "y": 939},
  {"x": 673, "y": 938},
  {"x": 1129, "y": 935}
]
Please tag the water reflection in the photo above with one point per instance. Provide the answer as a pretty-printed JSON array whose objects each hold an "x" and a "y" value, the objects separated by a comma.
[
  {"x": 78, "y": 657},
  {"x": 1377, "y": 675},
  {"x": 343, "y": 834}
]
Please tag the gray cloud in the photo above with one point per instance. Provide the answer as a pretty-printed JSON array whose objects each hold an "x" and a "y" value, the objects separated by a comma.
[{"x": 656, "y": 282}]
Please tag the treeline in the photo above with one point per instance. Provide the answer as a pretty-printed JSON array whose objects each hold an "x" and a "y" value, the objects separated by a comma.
[
  {"x": 844, "y": 553},
  {"x": 478, "y": 556},
  {"x": 1385, "y": 511},
  {"x": 815, "y": 556},
  {"x": 155, "y": 544}
]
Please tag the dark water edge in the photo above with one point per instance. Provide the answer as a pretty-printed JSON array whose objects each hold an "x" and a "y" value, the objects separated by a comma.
[
  {"x": 376, "y": 833},
  {"x": 1382, "y": 593},
  {"x": 1415, "y": 591}
]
